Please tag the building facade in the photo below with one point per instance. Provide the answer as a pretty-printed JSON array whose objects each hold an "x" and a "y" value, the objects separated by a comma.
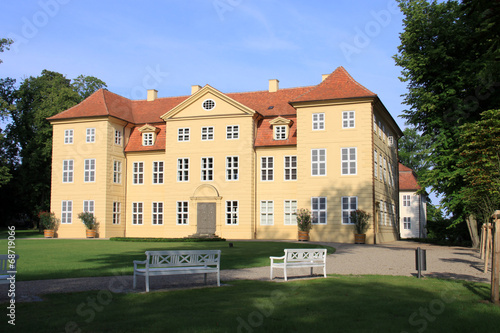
[
  {"x": 236, "y": 165},
  {"x": 413, "y": 205}
]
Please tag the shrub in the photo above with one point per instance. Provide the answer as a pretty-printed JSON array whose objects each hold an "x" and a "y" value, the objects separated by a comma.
[
  {"x": 88, "y": 219},
  {"x": 304, "y": 219},
  {"x": 360, "y": 219},
  {"x": 48, "y": 220}
]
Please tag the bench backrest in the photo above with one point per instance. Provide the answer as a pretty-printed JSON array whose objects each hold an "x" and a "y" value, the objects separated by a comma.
[
  {"x": 5, "y": 264},
  {"x": 297, "y": 255},
  {"x": 183, "y": 258}
]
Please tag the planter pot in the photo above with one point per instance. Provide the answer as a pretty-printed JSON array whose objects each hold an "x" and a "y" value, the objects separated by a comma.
[
  {"x": 91, "y": 233},
  {"x": 47, "y": 233},
  {"x": 359, "y": 238},
  {"x": 303, "y": 236}
]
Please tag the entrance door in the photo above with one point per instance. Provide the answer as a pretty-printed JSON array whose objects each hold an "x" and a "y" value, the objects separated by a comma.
[{"x": 206, "y": 218}]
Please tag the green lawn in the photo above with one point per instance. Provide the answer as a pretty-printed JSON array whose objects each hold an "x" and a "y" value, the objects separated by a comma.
[
  {"x": 60, "y": 258},
  {"x": 337, "y": 304},
  {"x": 30, "y": 233}
]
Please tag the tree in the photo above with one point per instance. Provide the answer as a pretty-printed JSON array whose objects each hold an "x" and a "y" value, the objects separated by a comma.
[
  {"x": 87, "y": 85},
  {"x": 480, "y": 150},
  {"x": 414, "y": 151},
  {"x": 28, "y": 139},
  {"x": 449, "y": 55},
  {"x": 5, "y": 45}
]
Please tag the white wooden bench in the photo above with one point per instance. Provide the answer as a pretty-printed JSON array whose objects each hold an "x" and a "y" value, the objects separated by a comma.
[
  {"x": 178, "y": 262},
  {"x": 5, "y": 267},
  {"x": 300, "y": 258}
]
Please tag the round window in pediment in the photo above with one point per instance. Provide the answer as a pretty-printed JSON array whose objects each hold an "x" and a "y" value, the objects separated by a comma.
[{"x": 208, "y": 104}]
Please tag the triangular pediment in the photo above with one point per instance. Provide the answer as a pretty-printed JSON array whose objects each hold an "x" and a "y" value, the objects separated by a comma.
[
  {"x": 193, "y": 106},
  {"x": 281, "y": 121},
  {"x": 148, "y": 128}
]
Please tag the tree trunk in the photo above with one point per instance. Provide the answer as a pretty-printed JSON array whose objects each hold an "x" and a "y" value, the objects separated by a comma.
[{"x": 472, "y": 225}]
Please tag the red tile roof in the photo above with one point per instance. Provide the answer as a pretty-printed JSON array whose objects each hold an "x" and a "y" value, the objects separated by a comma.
[
  {"x": 407, "y": 179},
  {"x": 135, "y": 141},
  {"x": 265, "y": 135},
  {"x": 268, "y": 104},
  {"x": 337, "y": 85}
]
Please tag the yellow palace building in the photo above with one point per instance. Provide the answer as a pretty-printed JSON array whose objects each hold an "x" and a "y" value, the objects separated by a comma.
[{"x": 234, "y": 165}]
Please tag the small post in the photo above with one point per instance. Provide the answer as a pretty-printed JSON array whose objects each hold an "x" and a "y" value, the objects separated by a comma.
[
  {"x": 420, "y": 261},
  {"x": 488, "y": 246},
  {"x": 495, "y": 265}
]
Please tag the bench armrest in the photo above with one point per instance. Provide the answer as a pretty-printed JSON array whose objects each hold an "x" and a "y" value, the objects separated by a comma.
[
  {"x": 139, "y": 262},
  {"x": 276, "y": 258}
]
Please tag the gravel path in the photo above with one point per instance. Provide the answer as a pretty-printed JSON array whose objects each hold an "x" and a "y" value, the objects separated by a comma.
[{"x": 396, "y": 258}]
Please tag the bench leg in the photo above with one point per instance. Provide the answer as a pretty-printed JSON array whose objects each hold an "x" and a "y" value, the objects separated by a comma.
[
  {"x": 284, "y": 273},
  {"x": 205, "y": 278},
  {"x": 311, "y": 271},
  {"x": 324, "y": 270},
  {"x": 147, "y": 282},
  {"x": 218, "y": 278},
  {"x": 134, "y": 281}
]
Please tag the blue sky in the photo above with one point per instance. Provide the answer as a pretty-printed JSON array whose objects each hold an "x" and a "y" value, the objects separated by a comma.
[{"x": 233, "y": 45}]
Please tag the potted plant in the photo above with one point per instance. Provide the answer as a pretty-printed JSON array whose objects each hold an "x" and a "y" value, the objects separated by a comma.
[
  {"x": 90, "y": 222},
  {"x": 304, "y": 220},
  {"x": 360, "y": 219},
  {"x": 49, "y": 223}
]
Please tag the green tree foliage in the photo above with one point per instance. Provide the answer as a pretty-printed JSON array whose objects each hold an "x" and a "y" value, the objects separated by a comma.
[
  {"x": 449, "y": 55},
  {"x": 414, "y": 150},
  {"x": 5, "y": 45},
  {"x": 28, "y": 140},
  {"x": 480, "y": 151},
  {"x": 87, "y": 85}
]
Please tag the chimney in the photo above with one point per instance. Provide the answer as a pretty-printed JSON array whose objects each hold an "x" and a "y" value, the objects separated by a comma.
[
  {"x": 152, "y": 94},
  {"x": 324, "y": 76},
  {"x": 274, "y": 85},
  {"x": 195, "y": 89}
]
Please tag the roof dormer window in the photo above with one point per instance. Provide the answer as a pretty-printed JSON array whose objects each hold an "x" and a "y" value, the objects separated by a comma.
[
  {"x": 281, "y": 128},
  {"x": 148, "y": 135}
]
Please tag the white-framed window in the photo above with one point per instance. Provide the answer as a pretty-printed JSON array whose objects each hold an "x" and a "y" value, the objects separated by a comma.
[
  {"x": 383, "y": 212},
  {"x": 183, "y": 134},
  {"x": 389, "y": 174},
  {"x": 182, "y": 212},
  {"x": 232, "y": 132},
  {"x": 138, "y": 173},
  {"x": 89, "y": 206},
  {"x": 158, "y": 172},
  {"x": 207, "y": 133},
  {"x": 117, "y": 172},
  {"x": 348, "y": 205},
  {"x": 318, "y": 162},
  {"x": 137, "y": 212},
  {"x": 349, "y": 161},
  {"x": 68, "y": 136},
  {"x": 147, "y": 139},
  {"x": 267, "y": 168},
  {"x": 89, "y": 170},
  {"x": 406, "y": 200},
  {"x": 207, "y": 168},
  {"x": 348, "y": 119},
  {"x": 380, "y": 166},
  {"x": 117, "y": 207},
  {"x": 279, "y": 132},
  {"x": 374, "y": 124},
  {"x": 375, "y": 163},
  {"x": 318, "y": 210},
  {"x": 407, "y": 223},
  {"x": 385, "y": 170},
  {"x": 232, "y": 212},
  {"x": 290, "y": 211},
  {"x": 290, "y": 167},
  {"x": 380, "y": 129},
  {"x": 66, "y": 211},
  {"x": 67, "y": 174},
  {"x": 183, "y": 169},
  {"x": 157, "y": 213},
  {"x": 232, "y": 168},
  {"x": 118, "y": 137},
  {"x": 318, "y": 121},
  {"x": 267, "y": 212},
  {"x": 90, "y": 135}
]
